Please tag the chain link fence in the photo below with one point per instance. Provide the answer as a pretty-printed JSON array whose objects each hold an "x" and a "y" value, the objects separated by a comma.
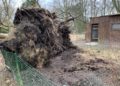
[{"x": 23, "y": 73}]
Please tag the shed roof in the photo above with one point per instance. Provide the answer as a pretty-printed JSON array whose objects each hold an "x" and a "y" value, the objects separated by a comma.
[{"x": 113, "y": 15}]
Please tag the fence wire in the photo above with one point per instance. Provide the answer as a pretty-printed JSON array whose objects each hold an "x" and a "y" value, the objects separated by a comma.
[{"x": 24, "y": 74}]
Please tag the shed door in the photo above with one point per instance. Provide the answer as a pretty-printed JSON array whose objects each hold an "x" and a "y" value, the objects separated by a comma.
[{"x": 94, "y": 32}]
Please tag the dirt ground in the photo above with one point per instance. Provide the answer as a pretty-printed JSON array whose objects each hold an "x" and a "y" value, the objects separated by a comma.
[
  {"x": 73, "y": 67},
  {"x": 85, "y": 66}
]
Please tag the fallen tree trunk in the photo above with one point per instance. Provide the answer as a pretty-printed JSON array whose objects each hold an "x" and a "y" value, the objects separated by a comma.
[{"x": 38, "y": 36}]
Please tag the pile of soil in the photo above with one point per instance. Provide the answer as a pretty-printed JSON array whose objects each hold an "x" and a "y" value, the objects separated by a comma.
[{"x": 39, "y": 36}]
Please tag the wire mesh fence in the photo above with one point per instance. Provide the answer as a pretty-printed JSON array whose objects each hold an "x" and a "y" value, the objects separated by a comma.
[{"x": 24, "y": 74}]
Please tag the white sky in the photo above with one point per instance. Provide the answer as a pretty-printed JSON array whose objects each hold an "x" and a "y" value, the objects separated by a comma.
[{"x": 17, "y": 3}]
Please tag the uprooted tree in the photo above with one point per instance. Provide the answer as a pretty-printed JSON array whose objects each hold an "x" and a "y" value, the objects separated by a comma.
[{"x": 39, "y": 36}]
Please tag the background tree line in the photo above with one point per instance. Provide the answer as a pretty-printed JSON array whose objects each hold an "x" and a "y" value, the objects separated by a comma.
[{"x": 82, "y": 10}]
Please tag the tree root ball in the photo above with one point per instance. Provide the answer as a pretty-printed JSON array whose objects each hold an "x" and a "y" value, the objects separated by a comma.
[{"x": 38, "y": 36}]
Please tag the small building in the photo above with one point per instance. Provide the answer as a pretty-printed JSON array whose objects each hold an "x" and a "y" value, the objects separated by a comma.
[{"x": 104, "y": 29}]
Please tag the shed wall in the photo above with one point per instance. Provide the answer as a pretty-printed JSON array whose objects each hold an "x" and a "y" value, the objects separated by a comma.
[{"x": 114, "y": 34}]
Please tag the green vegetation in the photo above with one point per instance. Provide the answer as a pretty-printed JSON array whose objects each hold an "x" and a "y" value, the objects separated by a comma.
[{"x": 4, "y": 29}]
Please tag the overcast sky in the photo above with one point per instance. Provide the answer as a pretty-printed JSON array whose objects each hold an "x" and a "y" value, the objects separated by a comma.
[{"x": 44, "y": 3}]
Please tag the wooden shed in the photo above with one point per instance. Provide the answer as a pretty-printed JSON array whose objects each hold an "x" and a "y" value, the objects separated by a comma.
[{"x": 104, "y": 29}]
